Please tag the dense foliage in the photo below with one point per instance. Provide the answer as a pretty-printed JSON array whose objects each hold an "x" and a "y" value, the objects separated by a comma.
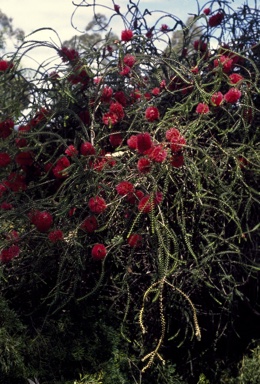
[{"x": 129, "y": 203}]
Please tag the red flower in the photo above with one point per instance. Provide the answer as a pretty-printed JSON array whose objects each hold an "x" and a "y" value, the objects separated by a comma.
[
  {"x": 177, "y": 160},
  {"x": 235, "y": 78},
  {"x": 217, "y": 99},
  {"x": 124, "y": 188},
  {"x": 200, "y": 45},
  {"x": 107, "y": 93},
  {"x": 216, "y": 19},
  {"x": 206, "y": 11},
  {"x": 115, "y": 139},
  {"x": 6, "y": 206},
  {"x": 124, "y": 70},
  {"x": 121, "y": 98},
  {"x": 116, "y": 8},
  {"x": 6, "y": 128},
  {"x": 117, "y": 109},
  {"x": 87, "y": 149},
  {"x": 68, "y": 54},
  {"x": 5, "y": 65},
  {"x": 109, "y": 118},
  {"x": 144, "y": 165},
  {"x": 156, "y": 91},
  {"x": 177, "y": 141},
  {"x": 145, "y": 204},
  {"x": 157, "y": 153},
  {"x": 5, "y": 159},
  {"x": 127, "y": 35},
  {"x": 90, "y": 224},
  {"x": 16, "y": 182},
  {"x": 71, "y": 151},
  {"x": 232, "y": 96},
  {"x": 24, "y": 158},
  {"x": 97, "y": 204},
  {"x": 129, "y": 60},
  {"x": 8, "y": 254},
  {"x": 42, "y": 220},
  {"x": 132, "y": 142},
  {"x": 59, "y": 169},
  {"x": 143, "y": 142},
  {"x": 225, "y": 62},
  {"x": 55, "y": 236},
  {"x": 164, "y": 28},
  {"x": 202, "y": 108},
  {"x": 134, "y": 240},
  {"x": 152, "y": 114},
  {"x": 99, "y": 252}
]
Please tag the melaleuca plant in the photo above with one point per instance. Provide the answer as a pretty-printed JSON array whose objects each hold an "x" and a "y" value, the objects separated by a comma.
[{"x": 132, "y": 176}]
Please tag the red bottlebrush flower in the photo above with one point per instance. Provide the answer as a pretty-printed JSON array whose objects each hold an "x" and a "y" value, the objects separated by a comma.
[
  {"x": 124, "y": 70},
  {"x": 87, "y": 149},
  {"x": 6, "y": 206},
  {"x": 206, "y": 11},
  {"x": 177, "y": 141},
  {"x": 24, "y": 158},
  {"x": 202, "y": 108},
  {"x": 157, "y": 153},
  {"x": 55, "y": 236},
  {"x": 127, "y": 35},
  {"x": 109, "y": 118},
  {"x": 235, "y": 78},
  {"x": 16, "y": 182},
  {"x": 135, "y": 240},
  {"x": 149, "y": 34},
  {"x": 145, "y": 204},
  {"x": 117, "y": 109},
  {"x": 216, "y": 19},
  {"x": 79, "y": 75},
  {"x": 144, "y": 165},
  {"x": 200, "y": 45},
  {"x": 132, "y": 142},
  {"x": 152, "y": 114},
  {"x": 90, "y": 224},
  {"x": 6, "y": 128},
  {"x": 59, "y": 171},
  {"x": 129, "y": 60},
  {"x": 21, "y": 143},
  {"x": 68, "y": 54},
  {"x": 147, "y": 96},
  {"x": 232, "y": 96},
  {"x": 5, "y": 65},
  {"x": 144, "y": 142},
  {"x": 97, "y": 204},
  {"x": 5, "y": 159},
  {"x": 98, "y": 252},
  {"x": 116, "y": 8},
  {"x": 177, "y": 160},
  {"x": 124, "y": 188},
  {"x": 156, "y": 91},
  {"x": 164, "y": 28},
  {"x": 8, "y": 254},
  {"x": 116, "y": 139},
  {"x": 225, "y": 62},
  {"x": 107, "y": 93},
  {"x": 42, "y": 221},
  {"x": 71, "y": 151},
  {"x": 121, "y": 98},
  {"x": 217, "y": 99}
]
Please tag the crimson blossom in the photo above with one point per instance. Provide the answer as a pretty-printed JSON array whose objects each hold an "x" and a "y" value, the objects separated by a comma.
[
  {"x": 99, "y": 252},
  {"x": 232, "y": 96},
  {"x": 152, "y": 114},
  {"x": 97, "y": 204},
  {"x": 127, "y": 35}
]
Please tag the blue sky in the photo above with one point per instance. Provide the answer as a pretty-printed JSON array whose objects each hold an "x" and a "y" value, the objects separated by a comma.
[{"x": 32, "y": 14}]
